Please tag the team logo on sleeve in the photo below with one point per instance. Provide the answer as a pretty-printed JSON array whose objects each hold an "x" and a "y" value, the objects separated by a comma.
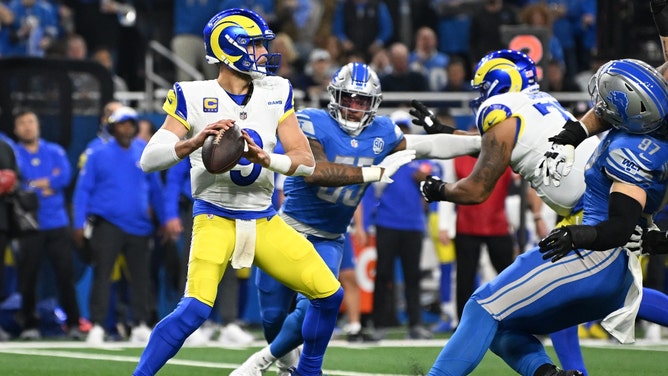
[
  {"x": 378, "y": 145},
  {"x": 210, "y": 105}
]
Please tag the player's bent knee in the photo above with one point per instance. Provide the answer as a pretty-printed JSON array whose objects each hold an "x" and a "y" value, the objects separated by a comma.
[{"x": 319, "y": 283}]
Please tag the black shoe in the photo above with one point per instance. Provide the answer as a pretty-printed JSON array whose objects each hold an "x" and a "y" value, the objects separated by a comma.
[
  {"x": 552, "y": 370},
  {"x": 419, "y": 332},
  {"x": 363, "y": 336}
]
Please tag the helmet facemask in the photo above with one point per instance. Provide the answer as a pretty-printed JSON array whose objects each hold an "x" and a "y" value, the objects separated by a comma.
[
  {"x": 354, "y": 97},
  {"x": 231, "y": 38}
]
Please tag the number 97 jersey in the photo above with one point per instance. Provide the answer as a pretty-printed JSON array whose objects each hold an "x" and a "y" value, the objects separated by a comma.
[{"x": 538, "y": 116}]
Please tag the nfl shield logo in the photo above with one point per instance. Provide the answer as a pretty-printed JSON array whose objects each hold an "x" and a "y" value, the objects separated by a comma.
[{"x": 243, "y": 115}]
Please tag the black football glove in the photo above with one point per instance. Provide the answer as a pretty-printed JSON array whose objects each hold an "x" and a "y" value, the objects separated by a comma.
[
  {"x": 660, "y": 14},
  {"x": 655, "y": 242},
  {"x": 432, "y": 189},
  {"x": 427, "y": 120},
  {"x": 559, "y": 243}
]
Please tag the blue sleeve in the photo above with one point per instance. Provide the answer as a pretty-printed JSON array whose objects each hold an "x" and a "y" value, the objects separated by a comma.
[
  {"x": 173, "y": 180},
  {"x": 157, "y": 194},
  {"x": 62, "y": 180},
  {"x": 338, "y": 23},
  {"x": 621, "y": 164},
  {"x": 82, "y": 191},
  {"x": 385, "y": 23}
]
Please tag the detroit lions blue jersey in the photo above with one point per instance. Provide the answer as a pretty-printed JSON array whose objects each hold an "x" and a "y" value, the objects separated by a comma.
[
  {"x": 330, "y": 209},
  {"x": 639, "y": 159}
]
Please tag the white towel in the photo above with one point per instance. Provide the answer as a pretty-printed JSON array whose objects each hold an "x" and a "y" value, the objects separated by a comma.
[
  {"x": 621, "y": 323},
  {"x": 244, "y": 247}
]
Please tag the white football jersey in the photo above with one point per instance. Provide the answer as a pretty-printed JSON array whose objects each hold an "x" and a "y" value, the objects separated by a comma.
[
  {"x": 248, "y": 186},
  {"x": 539, "y": 117}
]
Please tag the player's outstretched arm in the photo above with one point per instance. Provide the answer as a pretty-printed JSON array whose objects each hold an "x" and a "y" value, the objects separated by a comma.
[
  {"x": 332, "y": 174},
  {"x": 494, "y": 159}
]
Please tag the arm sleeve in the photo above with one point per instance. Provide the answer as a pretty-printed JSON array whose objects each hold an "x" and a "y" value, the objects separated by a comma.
[
  {"x": 160, "y": 152},
  {"x": 442, "y": 146},
  {"x": 623, "y": 214}
]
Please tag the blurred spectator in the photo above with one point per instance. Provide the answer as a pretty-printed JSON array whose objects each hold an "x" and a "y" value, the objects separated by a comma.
[
  {"x": 190, "y": 17},
  {"x": 363, "y": 26},
  {"x": 486, "y": 24},
  {"x": 400, "y": 224},
  {"x": 103, "y": 135},
  {"x": 583, "y": 77},
  {"x": 307, "y": 22},
  {"x": 453, "y": 27},
  {"x": 265, "y": 8},
  {"x": 477, "y": 225},
  {"x": 8, "y": 173},
  {"x": 427, "y": 60},
  {"x": 380, "y": 62},
  {"x": 317, "y": 75},
  {"x": 45, "y": 169},
  {"x": 584, "y": 23},
  {"x": 563, "y": 13},
  {"x": 409, "y": 16},
  {"x": 114, "y": 201},
  {"x": 539, "y": 15},
  {"x": 402, "y": 78},
  {"x": 35, "y": 27},
  {"x": 103, "y": 56},
  {"x": 97, "y": 22},
  {"x": 6, "y": 19},
  {"x": 555, "y": 79},
  {"x": 458, "y": 81},
  {"x": 146, "y": 129},
  {"x": 289, "y": 57}
]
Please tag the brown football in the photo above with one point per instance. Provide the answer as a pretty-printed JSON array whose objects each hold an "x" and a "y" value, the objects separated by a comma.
[{"x": 221, "y": 152}]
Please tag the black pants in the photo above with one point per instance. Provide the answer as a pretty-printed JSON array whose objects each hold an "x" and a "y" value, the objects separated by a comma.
[
  {"x": 107, "y": 242},
  {"x": 4, "y": 241},
  {"x": 390, "y": 244},
  {"x": 56, "y": 246},
  {"x": 467, "y": 248}
]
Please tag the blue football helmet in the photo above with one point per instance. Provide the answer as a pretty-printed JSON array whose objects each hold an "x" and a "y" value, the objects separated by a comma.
[
  {"x": 227, "y": 37},
  {"x": 503, "y": 71},
  {"x": 630, "y": 95},
  {"x": 354, "y": 84}
]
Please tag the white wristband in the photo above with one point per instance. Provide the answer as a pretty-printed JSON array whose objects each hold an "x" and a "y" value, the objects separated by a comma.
[
  {"x": 280, "y": 163},
  {"x": 371, "y": 174}
]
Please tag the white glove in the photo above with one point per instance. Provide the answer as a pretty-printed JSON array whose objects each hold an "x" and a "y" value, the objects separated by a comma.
[
  {"x": 392, "y": 162},
  {"x": 555, "y": 164},
  {"x": 635, "y": 242}
]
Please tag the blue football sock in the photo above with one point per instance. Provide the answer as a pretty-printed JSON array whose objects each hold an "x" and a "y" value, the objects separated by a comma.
[
  {"x": 567, "y": 346},
  {"x": 521, "y": 351},
  {"x": 654, "y": 306},
  {"x": 290, "y": 335},
  {"x": 317, "y": 329},
  {"x": 468, "y": 344},
  {"x": 170, "y": 333}
]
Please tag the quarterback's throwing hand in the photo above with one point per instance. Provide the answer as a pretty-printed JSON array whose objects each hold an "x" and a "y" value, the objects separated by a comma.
[
  {"x": 432, "y": 189},
  {"x": 555, "y": 164}
]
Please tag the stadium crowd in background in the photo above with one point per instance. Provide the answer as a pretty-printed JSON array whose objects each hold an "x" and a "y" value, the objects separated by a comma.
[{"x": 414, "y": 50}]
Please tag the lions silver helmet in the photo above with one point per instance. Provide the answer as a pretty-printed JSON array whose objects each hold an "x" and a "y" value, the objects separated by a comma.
[
  {"x": 227, "y": 37},
  {"x": 630, "y": 95},
  {"x": 354, "y": 97}
]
